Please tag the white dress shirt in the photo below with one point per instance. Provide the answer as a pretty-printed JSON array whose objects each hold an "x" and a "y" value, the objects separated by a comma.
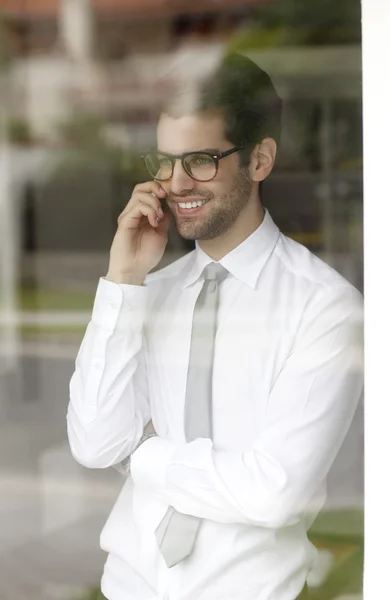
[{"x": 287, "y": 379}]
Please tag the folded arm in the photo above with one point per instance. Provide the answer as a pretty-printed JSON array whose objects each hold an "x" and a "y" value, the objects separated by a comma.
[
  {"x": 309, "y": 411},
  {"x": 109, "y": 405}
]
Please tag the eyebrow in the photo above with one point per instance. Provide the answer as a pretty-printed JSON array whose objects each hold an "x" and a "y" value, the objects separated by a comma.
[
  {"x": 208, "y": 150},
  {"x": 212, "y": 150}
]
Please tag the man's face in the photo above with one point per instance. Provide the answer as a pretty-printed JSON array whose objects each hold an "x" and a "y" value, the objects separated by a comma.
[{"x": 226, "y": 195}]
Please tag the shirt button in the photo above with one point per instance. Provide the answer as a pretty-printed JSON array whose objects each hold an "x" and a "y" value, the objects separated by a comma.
[{"x": 166, "y": 597}]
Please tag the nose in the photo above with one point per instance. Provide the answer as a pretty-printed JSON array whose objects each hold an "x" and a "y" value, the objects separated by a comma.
[{"x": 180, "y": 179}]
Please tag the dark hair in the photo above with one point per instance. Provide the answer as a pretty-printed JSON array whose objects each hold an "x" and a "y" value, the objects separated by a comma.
[{"x": 246, "y": 96}]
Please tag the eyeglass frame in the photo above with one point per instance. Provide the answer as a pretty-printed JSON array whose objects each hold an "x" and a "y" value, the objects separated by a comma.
[{"x": 173, "y": 157}]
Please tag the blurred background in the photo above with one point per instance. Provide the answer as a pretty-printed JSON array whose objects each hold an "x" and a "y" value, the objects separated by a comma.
[{"x": 79, "y": 86}]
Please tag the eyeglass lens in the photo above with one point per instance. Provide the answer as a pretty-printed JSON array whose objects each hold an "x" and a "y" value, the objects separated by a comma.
[{"x": 201, "y": 167}]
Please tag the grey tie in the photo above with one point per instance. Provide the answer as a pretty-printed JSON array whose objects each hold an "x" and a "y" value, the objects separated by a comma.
[{"x": 177, "y": 532}]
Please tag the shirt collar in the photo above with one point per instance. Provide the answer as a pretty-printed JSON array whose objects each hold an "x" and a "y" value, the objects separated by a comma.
[{"x": 246, "y": 261}]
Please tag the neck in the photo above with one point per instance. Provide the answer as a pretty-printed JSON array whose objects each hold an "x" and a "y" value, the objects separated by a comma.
[{"x": 248, "y": 221}]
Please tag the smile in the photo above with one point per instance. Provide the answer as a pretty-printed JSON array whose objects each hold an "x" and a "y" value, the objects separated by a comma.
[{"x": 192, "y": 204}]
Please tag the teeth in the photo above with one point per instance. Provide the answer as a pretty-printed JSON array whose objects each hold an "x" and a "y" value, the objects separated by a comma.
[{"x": 192, "y": 204}]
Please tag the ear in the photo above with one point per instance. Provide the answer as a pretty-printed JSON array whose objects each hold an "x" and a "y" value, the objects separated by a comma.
[{"x": 262, "y": 159}]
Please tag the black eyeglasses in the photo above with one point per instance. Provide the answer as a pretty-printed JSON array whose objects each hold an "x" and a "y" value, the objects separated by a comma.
[{"x": 200, "y": 165}]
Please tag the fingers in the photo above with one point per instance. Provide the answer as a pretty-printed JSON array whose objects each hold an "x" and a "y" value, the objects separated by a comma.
[
  {"x": 136, "y": 210},
  {"x": 144, "y": 202},
  {"x": 163, "y": 225},
  {"x": 150, "y": 187},
  {"x": 152, "y": 201},
  {"x": 151, "y": 193}
]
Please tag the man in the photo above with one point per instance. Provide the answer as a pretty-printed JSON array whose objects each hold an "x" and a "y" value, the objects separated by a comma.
[{"x": 224, "y": 384}]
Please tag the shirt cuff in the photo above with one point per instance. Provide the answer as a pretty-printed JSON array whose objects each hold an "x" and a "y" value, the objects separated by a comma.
[
  {"x": 150, "y": 462},
  {"x": 119, "y": 306}
]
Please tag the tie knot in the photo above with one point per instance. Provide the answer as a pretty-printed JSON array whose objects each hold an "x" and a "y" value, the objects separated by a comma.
[{"x": 215, "y": 272}]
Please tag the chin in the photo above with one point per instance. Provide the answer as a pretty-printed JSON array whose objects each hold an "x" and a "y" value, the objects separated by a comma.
[
  {"x": 197, "y": 231},
  {"x": 187, "y": 235},
  {"x": 196, "y": 235}
]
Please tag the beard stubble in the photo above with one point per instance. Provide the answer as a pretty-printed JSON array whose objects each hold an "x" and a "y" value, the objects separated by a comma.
[{"x": 224, "y": 210}]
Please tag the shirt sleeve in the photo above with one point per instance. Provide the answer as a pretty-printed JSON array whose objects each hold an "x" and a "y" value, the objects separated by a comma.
[
  {"x": 109, "y": 403},
  {"x": 310, "y": 409}
]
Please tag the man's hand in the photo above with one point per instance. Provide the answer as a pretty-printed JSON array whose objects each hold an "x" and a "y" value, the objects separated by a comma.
[{"x": 141, "y": 237}]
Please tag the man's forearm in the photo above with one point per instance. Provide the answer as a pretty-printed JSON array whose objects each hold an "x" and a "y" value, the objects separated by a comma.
[{"x": 109, "y": 402}]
